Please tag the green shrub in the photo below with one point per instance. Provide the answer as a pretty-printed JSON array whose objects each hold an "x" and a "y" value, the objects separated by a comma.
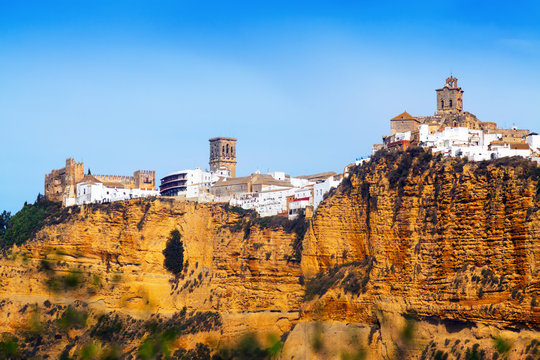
[
  {"x": 68, "y": 282},
  {"x": 298, "y": 226},
  {"x": 17, "y": 229},
  {"x": 72, "y": 318},
  {"x": 4, "y": 222},
  {"x": 248, "y": 347},
  {"x": 174, "y": 253},
  {"x": 352, "y": 277},
  {"x": 107, "y": 327},
  {"x": 9, "y": 349},
  {"x": 501, "y": 345},
  {"x": 23, "y": 225}
]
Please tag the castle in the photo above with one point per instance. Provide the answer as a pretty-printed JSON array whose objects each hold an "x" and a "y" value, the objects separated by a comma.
[{"x": 63, "y": 185}]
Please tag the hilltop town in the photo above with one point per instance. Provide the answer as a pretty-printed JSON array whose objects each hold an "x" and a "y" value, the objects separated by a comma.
[{"x": 451, "y": 131}]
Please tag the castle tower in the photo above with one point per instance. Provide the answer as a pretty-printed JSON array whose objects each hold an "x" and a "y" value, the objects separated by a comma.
[
  {"x": 145, "y": 179},
  {"x": 449, "y": 97},
  {"x": 223, "y": 153},
  {"x": 61, "y": 184}
]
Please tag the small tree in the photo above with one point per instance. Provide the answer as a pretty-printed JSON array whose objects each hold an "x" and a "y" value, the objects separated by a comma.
[
  {"x": 174, "y": 253},
  {"x": 4, "y": 221}
]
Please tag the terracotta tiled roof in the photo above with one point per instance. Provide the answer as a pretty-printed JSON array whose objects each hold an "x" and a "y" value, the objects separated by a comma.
[
  {"x": 404, "y": 116},
  {"x": 518, "y": 146},
  {"x": 93, "y": 180},
  {"x": 90, "y": 179}
]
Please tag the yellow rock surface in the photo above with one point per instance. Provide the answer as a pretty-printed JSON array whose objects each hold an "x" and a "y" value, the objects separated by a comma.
[
  {"x": 247, "y": 279},
  {"x": 411, "y": 256}
]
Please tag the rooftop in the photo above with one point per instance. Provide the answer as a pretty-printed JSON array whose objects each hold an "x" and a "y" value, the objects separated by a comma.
[
  {"x": 256, "y": 179},
  {"x": 403, "y": 116}
]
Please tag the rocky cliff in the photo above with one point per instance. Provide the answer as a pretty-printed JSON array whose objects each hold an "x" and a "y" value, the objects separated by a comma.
[
  {"x": 447, "y": 244},
  {"x": 413, "y": 256},
  {"x": 111, "y": 258}
]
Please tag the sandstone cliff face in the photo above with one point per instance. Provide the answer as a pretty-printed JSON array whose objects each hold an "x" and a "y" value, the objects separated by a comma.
[
  {"x": 414, "y": 257},
  {"x": 438, "y": 240},
  {"x": 116, "y": 251}
]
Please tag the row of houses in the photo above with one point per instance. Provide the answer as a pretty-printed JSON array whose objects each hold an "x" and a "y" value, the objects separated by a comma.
[
  {"x": 275, "y": 193},
  {"x": 452, "y": 131},
  {"x": 269, "y": 194},
  {"x": 475, "y": 144}
]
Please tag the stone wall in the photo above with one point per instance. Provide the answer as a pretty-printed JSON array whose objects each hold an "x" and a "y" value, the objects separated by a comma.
[{"x": 399, "y": 126}]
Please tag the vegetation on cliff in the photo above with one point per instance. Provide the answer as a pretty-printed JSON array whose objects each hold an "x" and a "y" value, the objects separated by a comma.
[
  {"x": 402, "y": 165},
  {"x": 110, "y": 335},
  {"x": 19, "y": 228},
  {"x": 352, "y": 277},
  {"x": 250, "y": 218},
  {"x": 452, "y": 242},
  {"x": 174, "y": 253}
]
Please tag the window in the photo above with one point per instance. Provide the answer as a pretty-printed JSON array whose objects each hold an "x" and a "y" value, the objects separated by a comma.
[
  {"x": 450, "y": 103},
  {"x": 442, "y": 104}
]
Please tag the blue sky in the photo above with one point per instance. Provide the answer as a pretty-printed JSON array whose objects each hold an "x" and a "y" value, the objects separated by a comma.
[{"x": 305, "y": 86}]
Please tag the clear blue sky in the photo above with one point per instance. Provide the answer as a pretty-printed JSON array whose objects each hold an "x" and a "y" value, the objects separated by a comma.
[{"x": 305, "y": 86}]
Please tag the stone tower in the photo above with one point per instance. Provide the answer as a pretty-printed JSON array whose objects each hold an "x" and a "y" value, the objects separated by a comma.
[
  {"x": 449, "y": 97},
  {"x": 61, "y": 184},
  {"x": 145, "y": 179},
  {"x": 223, "y": 153}
]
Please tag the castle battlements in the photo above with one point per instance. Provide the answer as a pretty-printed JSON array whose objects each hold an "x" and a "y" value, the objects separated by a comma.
[
  {"x": 116, "y": 178},
  {"x": 61, "y": 184}
]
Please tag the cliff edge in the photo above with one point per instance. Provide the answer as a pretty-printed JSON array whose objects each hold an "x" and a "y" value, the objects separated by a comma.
[{"x": 413, "y": 256}]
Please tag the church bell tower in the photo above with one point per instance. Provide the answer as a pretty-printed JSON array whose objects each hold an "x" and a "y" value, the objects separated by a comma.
[
  {"x": 449, "y": 97},
  {"x": 223, "y": 153}
]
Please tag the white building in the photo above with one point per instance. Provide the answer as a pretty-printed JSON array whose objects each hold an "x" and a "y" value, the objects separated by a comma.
[
  {"x": 402, "y": 136},
  {"x": 501, "y": 149},
  {"x": 533, "y": 139},
  {"x": 266, "y": 202},
  {"x": 190, "y": 183},
  {"x": 321, "y": 187},
  {"x": 298, "y": 202},
  {"x": 91, "y": 190},
  {"x": 476, "y": 145},
  {"x": 290, "y": 199}
]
